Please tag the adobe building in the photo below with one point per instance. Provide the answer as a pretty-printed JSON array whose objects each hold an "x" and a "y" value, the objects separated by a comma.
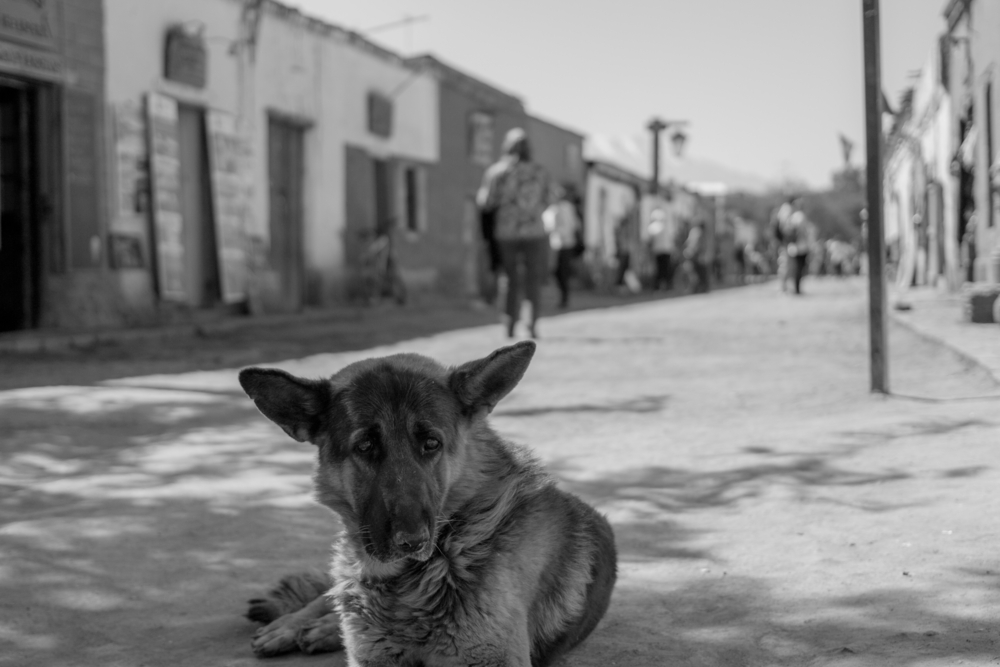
[
  {"x": 53, "y": 253},
  {"x": 255, "y": 151},
  {"x": 474, "y": 118},
  {"x": 560, "y": 151}
]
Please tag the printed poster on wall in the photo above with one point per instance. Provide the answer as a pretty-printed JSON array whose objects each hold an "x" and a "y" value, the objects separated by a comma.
[
  {"x": 229, "y": 203},
  {"x": 168, "y": 223}
]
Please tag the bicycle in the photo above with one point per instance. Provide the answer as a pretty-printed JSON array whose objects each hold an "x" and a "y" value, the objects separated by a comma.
[{"x": 380, "y": 277}]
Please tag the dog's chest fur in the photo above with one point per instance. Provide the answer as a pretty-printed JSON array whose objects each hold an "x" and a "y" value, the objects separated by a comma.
[{"x": 435, "y": 607}]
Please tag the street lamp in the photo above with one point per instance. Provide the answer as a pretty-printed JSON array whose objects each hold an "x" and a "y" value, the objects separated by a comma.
[{"x": 678, "y": 139}]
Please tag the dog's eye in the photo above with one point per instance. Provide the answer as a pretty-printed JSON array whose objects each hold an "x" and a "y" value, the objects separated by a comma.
[
  {"x": 432, "y": 445},
  {"x": 363, "y": 447}
]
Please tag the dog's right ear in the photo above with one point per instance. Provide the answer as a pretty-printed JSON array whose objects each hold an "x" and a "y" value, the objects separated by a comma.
[
  {"x": 482, "y": 383},
  {"x": 294, "y": 404}
]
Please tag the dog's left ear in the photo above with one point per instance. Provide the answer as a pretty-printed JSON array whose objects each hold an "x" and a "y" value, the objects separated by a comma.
[
  {"x": 482, "y": 383},
  {"x": 294, "y": 404}
]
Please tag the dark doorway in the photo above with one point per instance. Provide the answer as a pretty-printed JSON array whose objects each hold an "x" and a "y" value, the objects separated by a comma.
[
  {"x": 201, "y": 258},
  {"x": 19, "y": 232},
  {"x": 285, "y": 174}
]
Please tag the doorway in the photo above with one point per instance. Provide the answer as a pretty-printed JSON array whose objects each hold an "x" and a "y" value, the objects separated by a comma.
[
  {"x": 19, "y": 232},
  {"x": 286, "y": 167}
]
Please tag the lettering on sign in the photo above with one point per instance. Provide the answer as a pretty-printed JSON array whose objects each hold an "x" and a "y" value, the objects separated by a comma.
[
  {"x": 28, "y": 22},
  {"x": 30, "y": 62}
]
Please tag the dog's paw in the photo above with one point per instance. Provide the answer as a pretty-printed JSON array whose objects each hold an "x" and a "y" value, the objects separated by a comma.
[
  {"x": 321, "y": 636},
  {"x": 277, "y": 638},
  {"x": 262, "y": 610}
]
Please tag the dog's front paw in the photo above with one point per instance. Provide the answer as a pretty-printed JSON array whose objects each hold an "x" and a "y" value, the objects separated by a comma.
[
  {"x": 277, "y": 638},
  {"x": 321, "y": 636}
]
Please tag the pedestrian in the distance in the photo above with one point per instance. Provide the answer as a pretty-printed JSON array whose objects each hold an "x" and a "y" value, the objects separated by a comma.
[
  {"x": 799, "y": 239},
  {"x": 518, "y": 190},
  {"x": 563, "y": 225},
  {"x": 663, "y": 235},
  {"x": 696, "y": 255}
]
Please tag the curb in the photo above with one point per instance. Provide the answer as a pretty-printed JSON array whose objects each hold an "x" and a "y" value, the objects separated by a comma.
[
  {"x": 938, "y": 340},
  {"x": 39, "y": 341}
]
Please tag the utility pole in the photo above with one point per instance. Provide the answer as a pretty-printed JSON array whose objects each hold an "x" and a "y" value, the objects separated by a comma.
[
  {"x": 656, "y": 126},
  {"x": 876, "y": 237}
]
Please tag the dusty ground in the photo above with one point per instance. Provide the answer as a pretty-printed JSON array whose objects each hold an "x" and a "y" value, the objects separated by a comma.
[{"x": 768, "y": 510}]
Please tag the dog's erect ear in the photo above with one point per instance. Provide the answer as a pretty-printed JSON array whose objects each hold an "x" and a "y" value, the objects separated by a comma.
[
  {"x": 294, "y": 404},
  {"x": 482, "y": 383}
]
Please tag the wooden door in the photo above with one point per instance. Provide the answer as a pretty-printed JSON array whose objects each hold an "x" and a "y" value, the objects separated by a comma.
[{"x": 285, "y": 176}]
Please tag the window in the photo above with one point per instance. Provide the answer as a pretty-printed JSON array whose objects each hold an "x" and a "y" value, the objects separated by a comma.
[
  {"x": 410, "y": 201},
  {"x": 481, "y": 138}
]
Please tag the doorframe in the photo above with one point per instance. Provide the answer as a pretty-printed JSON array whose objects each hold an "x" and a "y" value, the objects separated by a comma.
[{"x": 37, "y": 169}]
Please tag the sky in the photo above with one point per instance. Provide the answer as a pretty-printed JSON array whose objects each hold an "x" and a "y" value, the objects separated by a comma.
[{"x": 766, "y": 85}]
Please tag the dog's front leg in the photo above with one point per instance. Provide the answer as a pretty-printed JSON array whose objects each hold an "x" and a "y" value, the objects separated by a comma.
[{"x": 313, "y": 629}]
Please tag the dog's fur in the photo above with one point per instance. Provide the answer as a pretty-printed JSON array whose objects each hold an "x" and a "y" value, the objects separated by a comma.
[{"x": 457, "y": 548}]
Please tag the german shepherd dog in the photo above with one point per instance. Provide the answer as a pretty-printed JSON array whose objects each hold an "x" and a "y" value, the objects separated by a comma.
[{"x": 457, "y": 548}]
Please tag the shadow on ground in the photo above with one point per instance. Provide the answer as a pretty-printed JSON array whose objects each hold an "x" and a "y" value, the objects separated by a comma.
[{"x": 137, "y": 521}]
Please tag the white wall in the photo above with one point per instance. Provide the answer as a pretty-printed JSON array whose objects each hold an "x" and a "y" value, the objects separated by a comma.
[
  {"x": 319, "y": 80},
  {"x": 600, "y": 228}
]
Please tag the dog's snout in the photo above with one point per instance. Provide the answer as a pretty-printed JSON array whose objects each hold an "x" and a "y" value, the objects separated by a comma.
[{"x": 411, "y": 542}]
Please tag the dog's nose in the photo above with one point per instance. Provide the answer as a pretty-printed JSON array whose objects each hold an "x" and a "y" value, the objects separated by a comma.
[{"x": 411, "y": 542}]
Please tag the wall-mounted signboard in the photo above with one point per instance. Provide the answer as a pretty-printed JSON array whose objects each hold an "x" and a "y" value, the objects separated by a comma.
[
  {"x": 186, "y": 58},
  {"x": 168, "y": 223},
  {"x": 229, "y": 203}
]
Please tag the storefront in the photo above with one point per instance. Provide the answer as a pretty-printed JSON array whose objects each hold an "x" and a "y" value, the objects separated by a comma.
[{"x": 51, "y": 241}]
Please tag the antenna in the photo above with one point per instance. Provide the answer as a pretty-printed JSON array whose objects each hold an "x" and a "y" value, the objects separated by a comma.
[{"x": 407, "y": 22}]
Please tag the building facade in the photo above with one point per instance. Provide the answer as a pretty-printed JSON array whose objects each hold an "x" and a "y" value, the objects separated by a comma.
[
  {"x": 255, "y": 152},
  {"x": 922, "y": 209},
  {"x": 560, "y": 151},
  {"x": 474, "y": 118},
  {"x": 53, "y": 245},
  {"x": 973, "y": 50}
]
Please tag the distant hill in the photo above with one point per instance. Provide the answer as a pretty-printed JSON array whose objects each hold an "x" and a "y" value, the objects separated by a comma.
[{"x": 634, "y": 153}]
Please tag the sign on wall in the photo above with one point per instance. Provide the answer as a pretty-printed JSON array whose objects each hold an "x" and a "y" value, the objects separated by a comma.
[
  {"x": 229, "y": 203},
  {"x": 29, "y": 22},
  {"x": 186, "y": 58},
  {"x": 165, "y": 168}
]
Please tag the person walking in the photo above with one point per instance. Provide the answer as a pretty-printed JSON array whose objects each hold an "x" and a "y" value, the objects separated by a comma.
[
  {"x": 518, "y": 191},
  {"x": 696, "y": 254},
  {"x": 799, "y": 239},
  {"x": 563, "y": 225},
  {"x": 663, "y": 234}
]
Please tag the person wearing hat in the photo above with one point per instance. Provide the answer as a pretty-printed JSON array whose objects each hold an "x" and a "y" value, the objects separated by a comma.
[{"x": 518, "y": 191}]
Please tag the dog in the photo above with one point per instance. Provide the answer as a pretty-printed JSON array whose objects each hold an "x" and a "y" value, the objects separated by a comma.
[{"x": 457, "y": 548}]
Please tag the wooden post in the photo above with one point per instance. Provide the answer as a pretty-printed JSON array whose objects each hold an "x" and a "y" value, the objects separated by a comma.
[{"x": 876, "y": 236}]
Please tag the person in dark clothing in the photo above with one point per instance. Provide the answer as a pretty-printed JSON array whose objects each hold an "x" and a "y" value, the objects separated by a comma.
[{"x": 487, "y": 226}]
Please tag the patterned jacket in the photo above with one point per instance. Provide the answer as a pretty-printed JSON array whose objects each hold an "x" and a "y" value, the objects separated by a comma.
[{"x": 519, "y": 192}]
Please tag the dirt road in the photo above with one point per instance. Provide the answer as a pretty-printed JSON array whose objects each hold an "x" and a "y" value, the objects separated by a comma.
[{"x": 768, "y": 510}]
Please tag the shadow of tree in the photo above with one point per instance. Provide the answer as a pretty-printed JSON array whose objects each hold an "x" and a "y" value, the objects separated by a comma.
[{"x": 724, "y": 621}]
